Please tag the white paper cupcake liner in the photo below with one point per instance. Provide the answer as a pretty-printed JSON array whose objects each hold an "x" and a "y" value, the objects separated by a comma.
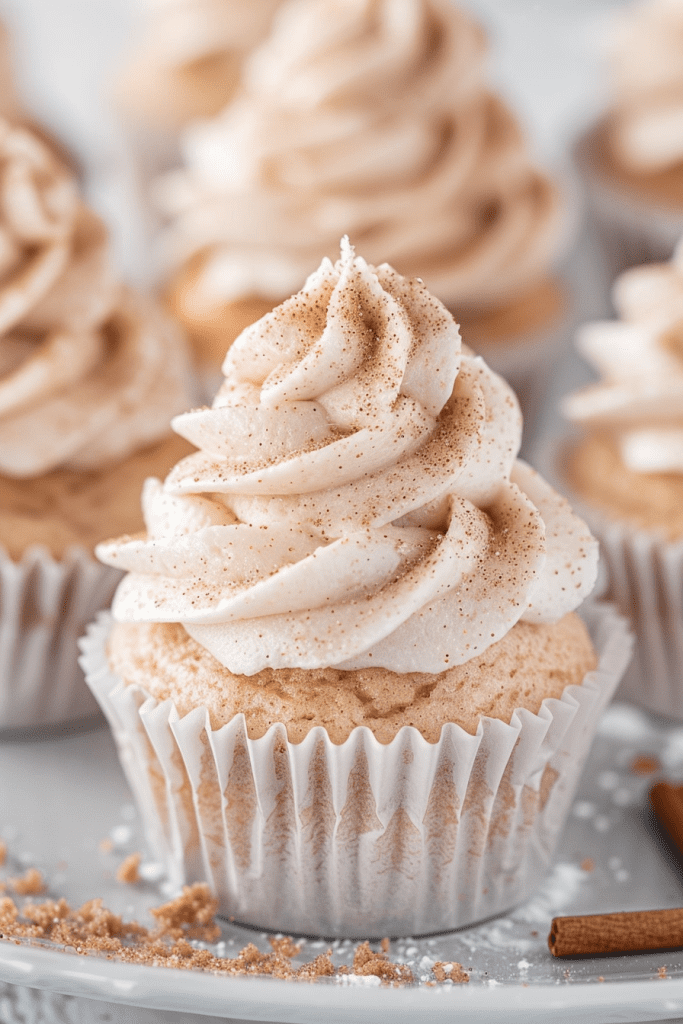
[
  {"x": 45, "y": 604},
  {"x": 643, "y": 576},
  {"x": 357, "y": 839},
  {"x": 629, "y": 229}
]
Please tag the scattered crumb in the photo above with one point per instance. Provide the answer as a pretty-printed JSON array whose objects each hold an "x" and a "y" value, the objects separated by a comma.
[
  {"x": 587, "y": 864},
  {"x": 30, "y": 884},
  {"x": 367, "y": 963},
  {"x": 600, "y": 977},
  {"x": 106, "y": 845},
  {"x": 190, "y": 915},
  {"x": 3, "y": 852},
  {"x": 645, "y": 764},
  {"x": 285, "y": 946},
  {"x": 450, "y": 971},
  {"x": 535, "y": 934},
  {"x": 661, "y": 972},
  {"x": 385, "y": 944},
  {"x": 93, "y": 928},
  {"x": 127, "y": 870}
]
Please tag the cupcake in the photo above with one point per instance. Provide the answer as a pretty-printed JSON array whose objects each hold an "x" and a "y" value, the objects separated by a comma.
[
  {"x": 187, "y": 63},
  {"x": 376, "y": 120},
  {"x": 90, "y": 376},
  {"x": 633, "y": 157},
  {"x": 627, "y": 469},
  {"x": 184, "y": 66},
  {"x": 344, "y": 673}
]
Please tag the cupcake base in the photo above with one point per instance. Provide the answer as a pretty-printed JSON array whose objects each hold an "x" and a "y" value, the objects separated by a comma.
[{"x": 359, "y": 838}]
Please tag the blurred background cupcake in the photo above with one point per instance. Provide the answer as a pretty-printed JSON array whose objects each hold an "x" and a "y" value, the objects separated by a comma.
[
  {"x": 377, "y": 120},
  {"x": 627, "y": 469},
  {"x": 184, "y": 65},
  {"x": 632, "y": 159},
  {"x": 90, "y": 375}
]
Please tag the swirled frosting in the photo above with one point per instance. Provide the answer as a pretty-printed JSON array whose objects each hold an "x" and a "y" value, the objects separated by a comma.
[
  {"x": 647, "y": 72},
  {"x": 639, "y": 398},
  {"x": 88, "y": 371},
  {"x": 356, "y": 499},
  {"x": 372, "y": 118},
  {"x": 189, "y": 60}
]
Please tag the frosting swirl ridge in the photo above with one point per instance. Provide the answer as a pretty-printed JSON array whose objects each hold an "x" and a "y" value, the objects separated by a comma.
[
  {"x": 370, "y": 117},
  {"x": 639, "y": 398},
  {"x": 356, "y": 498},
  {"x": 78, "y": 352}
]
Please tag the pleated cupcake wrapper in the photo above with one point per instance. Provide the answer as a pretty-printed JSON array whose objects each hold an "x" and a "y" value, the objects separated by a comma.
[
  {"x": 360, "y": 838},
  {"x": 643, "y": 575},
  {"x": 629, "y": 229},
  {"x": 45, "y": 604}
]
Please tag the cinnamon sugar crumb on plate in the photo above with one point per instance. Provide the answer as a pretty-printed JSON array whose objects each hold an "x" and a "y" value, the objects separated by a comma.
[
  {"x": 3, "y": 852},
  {"x": 128, "y": 870},
  {"x": 29, "y": 884},
  {"x": 94, "y": 929}
]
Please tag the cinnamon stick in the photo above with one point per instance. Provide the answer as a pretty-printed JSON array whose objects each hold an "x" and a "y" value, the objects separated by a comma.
[
  {"x": 626, "y": 932},
  {"x": 667, "y": 803}
]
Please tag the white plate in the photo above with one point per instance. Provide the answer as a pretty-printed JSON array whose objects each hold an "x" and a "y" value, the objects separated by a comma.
[{"x": 61, "y": 796}]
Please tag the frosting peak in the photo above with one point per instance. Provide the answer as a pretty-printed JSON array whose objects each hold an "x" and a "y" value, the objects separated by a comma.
[
  {"x": 356, "y": 498},
  {"x": 372, "y": 117},
  {"x": 640, "y": 359}
]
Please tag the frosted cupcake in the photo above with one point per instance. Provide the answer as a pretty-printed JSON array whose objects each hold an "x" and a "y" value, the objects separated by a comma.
[
  {"x": 184, "y": 66},
  {"x": 627, "y": 469},
  {"x": 376, "y": 120},
  {"x": 344, "y": 675},
  {"x": 633, "y": 157},
  {"x": 90, "y": 375},
  {"x": 187, "y": 63}
]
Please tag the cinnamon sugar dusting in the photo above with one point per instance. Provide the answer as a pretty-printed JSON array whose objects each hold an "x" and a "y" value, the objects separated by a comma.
[{"x": 93, "y": 929}]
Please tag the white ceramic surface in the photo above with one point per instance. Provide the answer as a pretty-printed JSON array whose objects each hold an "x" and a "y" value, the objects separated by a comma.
[{"x": 61, "y": 796}]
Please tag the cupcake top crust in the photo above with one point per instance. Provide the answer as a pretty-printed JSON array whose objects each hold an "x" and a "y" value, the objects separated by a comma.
[
  {"x": 356, "y": 500},
  {"x": 188, "y": 61},
  {"x": 371, "y": 117},
  {"x": 89, "y": 372},
  {"x": 632, "y": 460}
]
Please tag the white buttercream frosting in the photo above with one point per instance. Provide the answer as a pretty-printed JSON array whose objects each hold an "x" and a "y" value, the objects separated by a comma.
[
  {"x": 639, "y": 397},
  {"x": 373, "y": 118},
  {"x": 188, "y": 61},
  {"x": 647, "y": 72},
  {"x": 88, "y": 371},
  {"x": 356, "y": 498}
]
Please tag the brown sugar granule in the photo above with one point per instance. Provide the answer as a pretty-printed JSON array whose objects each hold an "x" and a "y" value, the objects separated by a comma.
[
  {"x": 645, "y": 764},
  {"x": 127, "y": 870},
  {"x": 3, "y": 852},
  {"x": 587, "y": 864},
  {"x": 285, "y": 946},
  {"x": 366, "y": 962},
  {"x": 30, "y": 884},
  {"x": 450, "y": 970},
  {"x": 106, "y": 845},
  {"x": 661, "y": 972},
  {"x": 384, "y": 945},
  {"x": 190, "y": 915}
]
